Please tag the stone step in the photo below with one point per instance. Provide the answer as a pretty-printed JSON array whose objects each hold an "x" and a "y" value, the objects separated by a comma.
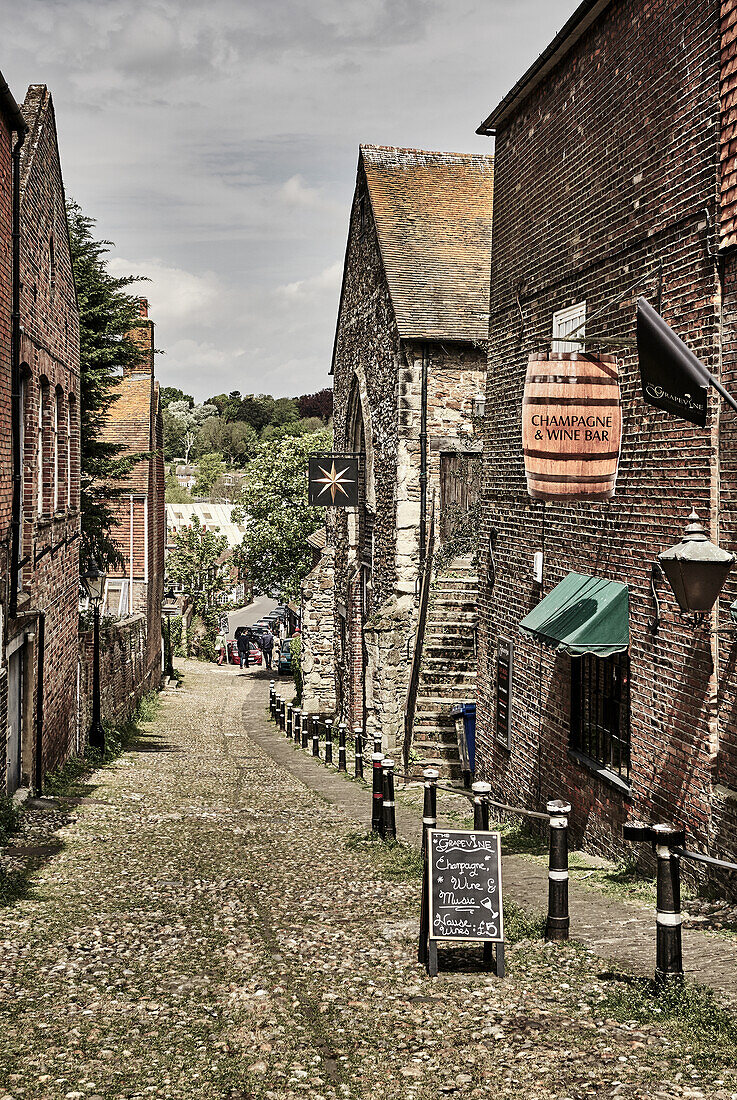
[
  {"x": 443, "y": 735},
  {"x": 437, "y": 717},
  {"x": 433, "y": 703},
  {"x": 447, "y": 753},
  {"x": 455, "y": 652},
  {"x": 463, "y": 661},
  {"x": 442, "y": 680}
]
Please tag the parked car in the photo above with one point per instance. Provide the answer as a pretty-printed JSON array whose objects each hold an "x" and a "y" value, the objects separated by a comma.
[
  {"x": 255, "y": 657},
  {"x": 285, "y": 656}
]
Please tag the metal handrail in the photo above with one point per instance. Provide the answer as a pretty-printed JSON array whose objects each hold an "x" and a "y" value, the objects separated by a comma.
[
  {"x": 414, "y": 676},
  {"x": 699, "y": 857}
]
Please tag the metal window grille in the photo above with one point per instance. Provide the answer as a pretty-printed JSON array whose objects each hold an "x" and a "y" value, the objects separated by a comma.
[{"x": 600, "y": 711}]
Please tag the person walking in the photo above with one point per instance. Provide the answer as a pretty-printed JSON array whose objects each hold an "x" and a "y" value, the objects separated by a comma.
[
  {"x": 220, "y": 645},
  {"x": 244, "y": 647},
  {"x": 267, "y": 647}
]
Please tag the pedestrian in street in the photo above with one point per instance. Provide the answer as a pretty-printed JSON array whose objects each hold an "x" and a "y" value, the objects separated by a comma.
[
  {"x": 267, "y": 647},
  {"x": 244, "y": 647},
  {"x": 220, "y": 645}
]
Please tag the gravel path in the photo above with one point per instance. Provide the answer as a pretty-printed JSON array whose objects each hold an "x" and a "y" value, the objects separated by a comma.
[{"x": 211, "y": 928}]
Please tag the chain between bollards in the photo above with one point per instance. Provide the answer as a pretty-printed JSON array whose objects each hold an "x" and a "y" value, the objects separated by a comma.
[
  {"x": 358, "y": 748},
  {"x": 557, "y": 925},
  {"x": 390, "y": 825},
  {"x": 341, "y": 748}
]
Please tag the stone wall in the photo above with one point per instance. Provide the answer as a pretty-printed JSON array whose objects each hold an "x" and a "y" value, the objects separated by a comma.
[
  {"x": 126, "y": 674},
  {"x": 318, "y": 679},
  {"x": 588, "y": 204}
]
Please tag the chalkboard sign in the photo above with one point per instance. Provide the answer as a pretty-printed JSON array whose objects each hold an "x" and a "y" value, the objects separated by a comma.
[
  {"x": 504, "y": 660},
  {"x": 465, "y": 886}
]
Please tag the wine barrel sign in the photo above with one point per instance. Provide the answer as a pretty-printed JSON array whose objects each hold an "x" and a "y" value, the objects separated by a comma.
[{"x": 571, "y": 426}]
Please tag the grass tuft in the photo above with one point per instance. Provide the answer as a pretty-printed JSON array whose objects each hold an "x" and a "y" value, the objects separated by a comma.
[
  {"x": 521, "y": 924},
  {"x": 396, "y": 859},
  {"x": 9, "y": 818}
]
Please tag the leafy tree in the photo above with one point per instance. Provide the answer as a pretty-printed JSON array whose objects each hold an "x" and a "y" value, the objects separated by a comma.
[
  {"x": 174, "y": 493},
  {"x": 274, "y": 551},
  {"x": 285, "y": 411},
  {"x": 174, "y": 432},
  {"x": 294, "y": 428},
  {"x": 316, "y": 404},
  {"x": 209, "y": 469},
  {"x": 107, "y": 316},
  {"x": 171, "y": 393},
  {"x": 190, "y": 420},
  {"x": 257, "y": 410},
  {"x": 194, "y": 563}
]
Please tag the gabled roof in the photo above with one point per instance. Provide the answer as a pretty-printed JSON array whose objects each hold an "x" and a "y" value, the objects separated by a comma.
[
  {"x": 129, "y": 422},
  {"x": 432, "y": 213},
  {"x": 10, "y": 108},
  {"x": 584, "y": 15}
]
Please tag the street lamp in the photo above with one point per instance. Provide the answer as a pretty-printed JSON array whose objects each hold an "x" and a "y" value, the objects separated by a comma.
[
  {"x": 478, "y": 406},
  {"x": 169, "y": 608},
  {"x": 94, "y": 581},
  {"x": 696, "y": 569}
]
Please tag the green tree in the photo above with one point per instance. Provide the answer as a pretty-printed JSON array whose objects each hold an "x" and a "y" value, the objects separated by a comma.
[
  {"x": 174, "y": 493},
  {"x": 194, "y": 563},
  {"x": 209, "y": 469},
  {"x": 107, "y": 316},
  {"x": 274, "y": 551},
  {"x": 171, "y": 393}
]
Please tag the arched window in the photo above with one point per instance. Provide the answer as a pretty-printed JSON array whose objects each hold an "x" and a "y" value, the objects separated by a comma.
[
  {"x": 43, "y": 395},
  {"x": 72, "y": 453},
  {"x": 55, "y": 452}
]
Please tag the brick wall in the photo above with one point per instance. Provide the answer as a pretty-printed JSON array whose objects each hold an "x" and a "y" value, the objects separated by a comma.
[
  {"x": 125, "y": 673},
  {"x": 50, "y": 381},
  {"x": 603, "y": 173},
  {"x": 5, "y": 425}
]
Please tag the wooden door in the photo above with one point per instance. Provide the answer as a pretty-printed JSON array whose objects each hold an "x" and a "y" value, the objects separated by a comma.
[
  {"x": 460, "y": 480},
  {"x": 15, "y": 712}
]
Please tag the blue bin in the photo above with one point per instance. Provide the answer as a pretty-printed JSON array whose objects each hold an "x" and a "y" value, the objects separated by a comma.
[{"x": 466, "y": 737}]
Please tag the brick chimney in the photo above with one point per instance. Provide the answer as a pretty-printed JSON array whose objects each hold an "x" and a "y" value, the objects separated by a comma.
[{"x": 143, "y": 336}]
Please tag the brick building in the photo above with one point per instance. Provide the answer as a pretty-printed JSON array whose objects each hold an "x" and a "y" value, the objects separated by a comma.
[
  {"x": 135, "y": 420},
  {"x": 413, "y": 301},
  {"x": 608, "y": 173}
]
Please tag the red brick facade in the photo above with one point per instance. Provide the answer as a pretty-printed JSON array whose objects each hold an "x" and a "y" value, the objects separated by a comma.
[
  {"x": 135, "y": 421},
  {"x": 607, "y": 166}
]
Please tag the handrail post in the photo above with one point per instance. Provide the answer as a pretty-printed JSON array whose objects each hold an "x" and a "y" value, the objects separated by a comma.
[
  {"x": 558, "y": 923},
  {"x": 480, "y": 806},
  {"x": 669, "y": 949}
]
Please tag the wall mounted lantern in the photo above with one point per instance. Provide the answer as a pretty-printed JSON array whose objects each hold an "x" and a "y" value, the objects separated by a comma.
[
  {"x": 478, "y": 406},
  {"x": 696, "y": 569}
]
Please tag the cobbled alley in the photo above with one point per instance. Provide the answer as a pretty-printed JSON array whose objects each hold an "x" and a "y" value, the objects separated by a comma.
[{"x": 210, "y": 927}]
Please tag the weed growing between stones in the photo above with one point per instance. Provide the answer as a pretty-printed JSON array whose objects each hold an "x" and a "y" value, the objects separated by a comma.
[
  {"x": 395, "y": 859},
  {"x": 520, "y": 924},
  {"x": 9, "y": 818},
  {"x": 690, "y": 1009}
]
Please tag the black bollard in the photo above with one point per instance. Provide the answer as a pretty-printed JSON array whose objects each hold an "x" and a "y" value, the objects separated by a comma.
[
  {"x": 377, "y": 796},
  {"x": 307, "y": 730},
  {"x": 328, "y": 741},
  {"x": 429, "y": 821},
  {"x": 290, "y": 712},
  {"x": 669, "y": 951},
  {"x": 272, "y": 697},
  {"x": 390, "y": 825},
  {"x": 278, "y": 711},
  {"x": 480, "y": 805},
  {"x": 358, "y": 747},
  {"x": 378, "y": 747},
  {"x": 316, "y": 737},
  {"x": 341, "y": 747},
  {"x": 558, "y": 923},
  {"x": 297, "y": 726},
  {"x": 283, "y": 715}
]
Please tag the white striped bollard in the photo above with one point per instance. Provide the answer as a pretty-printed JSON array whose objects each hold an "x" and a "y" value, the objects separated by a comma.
[
  {"x": 341, "y": 748},
  {"x": 278, "y": 711},
  {"x": 377, "y": 795},
  {"x": 358, "y": 750},
  {"x": 272, "y": 697},
  {"x": 481, "y": 791},
  {"x": 558, "y": 923},
  {"x": 307, "y": 730},
  {"x": 378, "y": 746},
  {"x": 297, "y": 725},
  {"x": 429, "y": 821},
  {"x": 289, "y": 720},
  {"x": 390, "y": 825},
  {"x": 669, "y": 949},
  {"x": 328, "y": 741},
  {"x": 316, "y": 737}
]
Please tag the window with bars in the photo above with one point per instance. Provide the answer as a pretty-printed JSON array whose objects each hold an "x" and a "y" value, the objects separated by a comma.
[{"x": 600, "y": 711}]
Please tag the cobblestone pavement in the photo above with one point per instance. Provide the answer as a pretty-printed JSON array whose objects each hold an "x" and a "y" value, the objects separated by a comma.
[{"x": 212, "y": 928}]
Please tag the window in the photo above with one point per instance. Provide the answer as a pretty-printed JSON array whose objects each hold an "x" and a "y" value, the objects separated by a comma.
[
  {"x": 600, "y": 711},
  {"x": 42, "y": 398},
  {"x": 567, "y": 321},
  {"x": 69, "y": 455},
  {"x": 56, "y": 451}
]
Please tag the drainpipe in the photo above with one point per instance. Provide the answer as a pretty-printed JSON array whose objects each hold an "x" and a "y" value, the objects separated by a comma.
[
  {"x": 40, "y": 641},
  {"x": 423, "y": 455},
  {"x": 16, "y": 412}
]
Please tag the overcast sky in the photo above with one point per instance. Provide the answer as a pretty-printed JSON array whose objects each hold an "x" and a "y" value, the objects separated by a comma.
[{"x": 216, "y": 145}]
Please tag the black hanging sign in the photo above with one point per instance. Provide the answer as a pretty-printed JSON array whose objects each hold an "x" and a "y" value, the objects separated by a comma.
[
  {"x": 464, "y": 887},
  {"x": 672, "y": 377},
  {"x": 504, "y": 664},
  {"x": 333, "y": 480}
]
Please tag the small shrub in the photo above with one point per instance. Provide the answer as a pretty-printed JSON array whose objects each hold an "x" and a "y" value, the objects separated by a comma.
[
  {"x": 521, "y": 924},
  {"x": 9, "y": 818},
  {"x": 176, "y": 628}
]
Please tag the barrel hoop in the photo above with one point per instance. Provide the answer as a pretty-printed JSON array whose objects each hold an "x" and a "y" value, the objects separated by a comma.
[
  {"x": 567, "y": 498},
  {"x": 610, "y": 402},
  {"x": 579, "y": 456},
  {"x": 573, "y": 380},
  {"x": 588, "y": 479}
]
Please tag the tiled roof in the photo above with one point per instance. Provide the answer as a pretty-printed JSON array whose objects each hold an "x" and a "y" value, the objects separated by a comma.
[
  {"x": 214, "y": 517},
  {"x": 129, "y": 422},
  {"x": 318, "y": 539},
  {"x": 728, "y": 136},
  {"x": 433, "y": 219}
]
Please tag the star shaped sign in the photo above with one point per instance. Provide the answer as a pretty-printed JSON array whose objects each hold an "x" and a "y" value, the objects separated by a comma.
[{"x": 334, "y": 481}]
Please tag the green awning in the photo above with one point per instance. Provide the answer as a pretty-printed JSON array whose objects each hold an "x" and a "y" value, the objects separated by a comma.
[{"x": 582, "y": 615}]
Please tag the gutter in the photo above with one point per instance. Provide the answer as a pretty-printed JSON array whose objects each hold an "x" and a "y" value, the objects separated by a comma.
[
  {"x": 585, "y": 14},
  {"x": 16, "y": 411}
]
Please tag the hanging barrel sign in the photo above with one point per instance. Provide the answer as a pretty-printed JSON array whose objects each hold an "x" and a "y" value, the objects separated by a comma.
[{"x": 571, "y": 426}]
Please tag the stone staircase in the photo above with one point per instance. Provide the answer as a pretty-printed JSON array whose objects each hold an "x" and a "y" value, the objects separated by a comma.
[{"x": 448, "y": 671}]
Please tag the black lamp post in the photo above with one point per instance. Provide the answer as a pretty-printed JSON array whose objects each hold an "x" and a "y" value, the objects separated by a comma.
[
  {"x": 94, "y": 581},
  {"x": 696, "y": 569},
  {"x": 169, "y": 608}
]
